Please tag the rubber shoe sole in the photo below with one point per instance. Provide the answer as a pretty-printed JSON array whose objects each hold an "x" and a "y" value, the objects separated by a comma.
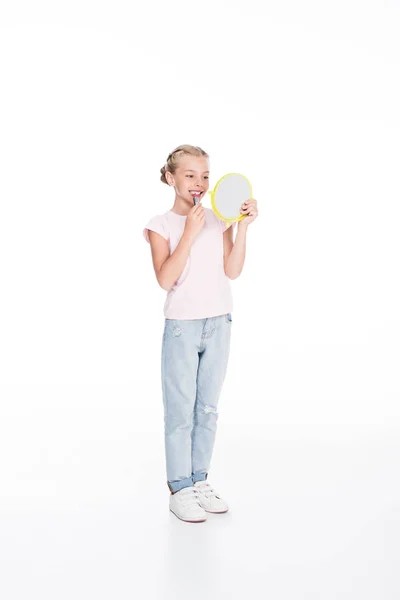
[{"x": 188, "y": 520}]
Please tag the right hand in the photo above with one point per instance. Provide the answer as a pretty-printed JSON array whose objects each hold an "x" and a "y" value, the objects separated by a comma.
[{"x": 195, "y": 221}]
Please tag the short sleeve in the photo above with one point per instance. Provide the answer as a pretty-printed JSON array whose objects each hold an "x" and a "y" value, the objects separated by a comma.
[{"x": 156, "y": 224}]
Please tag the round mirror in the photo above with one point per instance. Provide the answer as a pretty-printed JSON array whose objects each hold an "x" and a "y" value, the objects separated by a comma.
[{"x": 228, "y": 196}]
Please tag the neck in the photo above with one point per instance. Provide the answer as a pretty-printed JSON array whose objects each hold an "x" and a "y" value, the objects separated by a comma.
[{"x": 181, "y": 206}]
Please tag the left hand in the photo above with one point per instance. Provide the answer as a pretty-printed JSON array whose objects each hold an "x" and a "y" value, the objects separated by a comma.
[{"x": 249, "y": 208}]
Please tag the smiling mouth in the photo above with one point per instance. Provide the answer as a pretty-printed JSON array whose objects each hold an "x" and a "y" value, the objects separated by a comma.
[{"x": 196, "y": 194}]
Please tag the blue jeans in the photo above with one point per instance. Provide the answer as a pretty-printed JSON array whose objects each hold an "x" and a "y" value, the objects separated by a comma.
[{"x": 194, "y": 361}]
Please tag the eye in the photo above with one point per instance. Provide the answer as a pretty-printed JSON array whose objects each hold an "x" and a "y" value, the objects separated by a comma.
[{"x": 189, "y": 175}]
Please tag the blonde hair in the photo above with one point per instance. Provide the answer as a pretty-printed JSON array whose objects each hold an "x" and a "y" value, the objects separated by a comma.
[{"x": 174, "y": 157}]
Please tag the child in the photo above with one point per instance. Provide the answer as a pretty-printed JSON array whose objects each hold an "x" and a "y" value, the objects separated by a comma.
[{"x": 194, "y": 257}]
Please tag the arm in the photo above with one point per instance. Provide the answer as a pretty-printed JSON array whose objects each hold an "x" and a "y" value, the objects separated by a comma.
[
  {"x": 168, "y": 268},
  {"x": 234, "y": 252}
]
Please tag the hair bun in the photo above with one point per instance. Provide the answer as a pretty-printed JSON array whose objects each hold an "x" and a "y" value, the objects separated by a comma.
[{"x": 163, "y": 171}]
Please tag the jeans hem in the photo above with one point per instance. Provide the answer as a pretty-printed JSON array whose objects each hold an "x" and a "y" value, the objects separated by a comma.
[{"x": 177, "y": 486}]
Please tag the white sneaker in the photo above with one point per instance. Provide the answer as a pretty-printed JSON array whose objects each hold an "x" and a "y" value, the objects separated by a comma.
[
  {"x": 209, "y": 498},
  {"x": 185, "y": 504}
]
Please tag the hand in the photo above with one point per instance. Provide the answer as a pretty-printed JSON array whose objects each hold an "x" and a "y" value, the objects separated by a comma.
[
  {"x": 249, "y": 208},
  {"x": 195, "y": 221}
]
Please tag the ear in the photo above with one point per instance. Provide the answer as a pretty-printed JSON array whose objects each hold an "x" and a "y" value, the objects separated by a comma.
[{"x": 170, "y": 178}]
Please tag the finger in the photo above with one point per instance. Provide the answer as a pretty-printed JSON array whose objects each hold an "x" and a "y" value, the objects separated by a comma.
[{"x": 197, "y": 208}]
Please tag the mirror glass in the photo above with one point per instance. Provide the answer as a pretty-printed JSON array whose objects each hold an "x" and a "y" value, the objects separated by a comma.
[{"x": 230, "y": 194}]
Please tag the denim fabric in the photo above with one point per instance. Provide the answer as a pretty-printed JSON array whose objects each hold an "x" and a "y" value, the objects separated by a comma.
[{"x": 195, "y": 356}]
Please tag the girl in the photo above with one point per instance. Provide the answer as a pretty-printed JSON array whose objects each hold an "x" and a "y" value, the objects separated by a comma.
[{"x": 194, "y": 257}]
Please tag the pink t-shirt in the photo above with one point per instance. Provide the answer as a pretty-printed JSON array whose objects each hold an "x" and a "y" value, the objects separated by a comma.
[{"x": 203, "y": 290}]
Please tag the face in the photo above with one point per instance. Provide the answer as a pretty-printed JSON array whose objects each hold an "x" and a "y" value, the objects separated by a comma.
[{"x": 192, "y": 175}]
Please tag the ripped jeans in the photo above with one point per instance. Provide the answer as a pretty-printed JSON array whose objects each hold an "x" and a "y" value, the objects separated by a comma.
[{"x": 194, "y": 361}]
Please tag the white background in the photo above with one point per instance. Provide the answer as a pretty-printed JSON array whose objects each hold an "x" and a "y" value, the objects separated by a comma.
[{"x": 303, "y": 98}]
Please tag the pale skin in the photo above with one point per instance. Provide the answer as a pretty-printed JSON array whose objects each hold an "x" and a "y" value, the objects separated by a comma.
[{"x": 192, "y": 174}]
